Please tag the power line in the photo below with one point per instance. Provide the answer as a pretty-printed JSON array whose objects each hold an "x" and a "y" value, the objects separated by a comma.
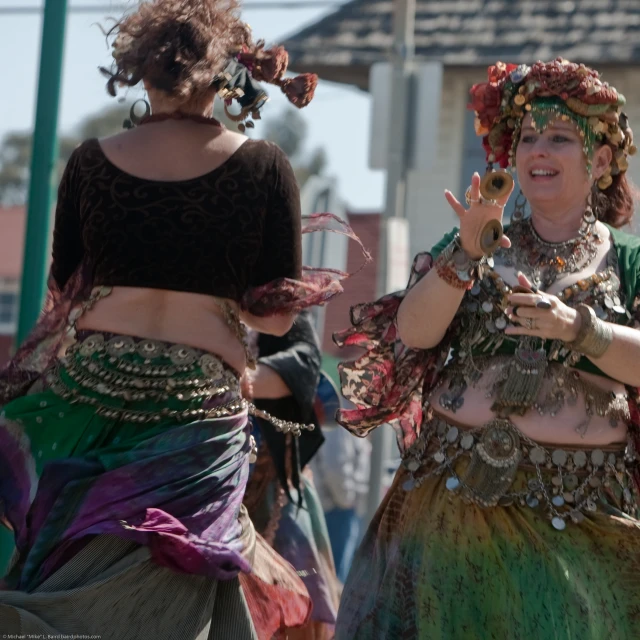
[{"x": 268, "y": 4}]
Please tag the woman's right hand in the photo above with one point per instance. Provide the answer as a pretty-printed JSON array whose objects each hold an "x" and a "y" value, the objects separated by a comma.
[{"x": 474, "y": 219}]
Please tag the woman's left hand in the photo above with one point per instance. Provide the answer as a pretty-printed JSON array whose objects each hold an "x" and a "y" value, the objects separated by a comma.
[{"x": 541, "y": 315}]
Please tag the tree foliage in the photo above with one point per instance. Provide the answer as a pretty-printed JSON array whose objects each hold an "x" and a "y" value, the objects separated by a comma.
[{"x": 15, "y": 151}]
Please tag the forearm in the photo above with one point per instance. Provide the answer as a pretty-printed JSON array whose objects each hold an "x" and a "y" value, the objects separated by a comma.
[
  {"x": 276, "y": 325},
  {"x": 267, "y": 384},
  {"x": 621, "y": 361},
  {"x": 427, "y": 311}
]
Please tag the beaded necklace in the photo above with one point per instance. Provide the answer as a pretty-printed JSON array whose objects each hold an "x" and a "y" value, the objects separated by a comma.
[{"x": 546, "y": 261}]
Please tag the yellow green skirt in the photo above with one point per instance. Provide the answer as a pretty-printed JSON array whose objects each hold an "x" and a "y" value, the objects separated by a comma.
[{"x": 436, "y": 564}]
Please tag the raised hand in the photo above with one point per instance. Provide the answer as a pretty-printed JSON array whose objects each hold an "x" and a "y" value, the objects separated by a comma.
[{"x": 478, "y": 226}]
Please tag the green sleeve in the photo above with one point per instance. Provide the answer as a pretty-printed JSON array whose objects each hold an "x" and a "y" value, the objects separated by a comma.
[
  {"x": 438, "y": 248},
  {"x": 627, "y": 248}
]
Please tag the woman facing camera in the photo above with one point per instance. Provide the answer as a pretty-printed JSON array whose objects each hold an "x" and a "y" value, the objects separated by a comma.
[{"x": 511, "y": 371}]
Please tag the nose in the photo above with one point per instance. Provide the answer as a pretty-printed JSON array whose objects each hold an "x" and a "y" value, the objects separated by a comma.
[{"x": 540, "y": 148}]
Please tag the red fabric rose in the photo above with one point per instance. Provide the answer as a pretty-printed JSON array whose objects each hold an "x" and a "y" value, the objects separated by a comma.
[
  {"x": 500, "y": 71},
  {"x": 485, "y": 101},
  {"x": 301, "y": 89}
]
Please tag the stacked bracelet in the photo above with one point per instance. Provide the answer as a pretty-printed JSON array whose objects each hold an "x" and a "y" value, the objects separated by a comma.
[
  {"x": 594, "y": 335},
  {"x": 457, "y": 269},
  {"x": 446, "y": 271}
]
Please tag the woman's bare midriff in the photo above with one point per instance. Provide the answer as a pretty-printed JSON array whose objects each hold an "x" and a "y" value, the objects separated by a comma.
[
  {"x": 191, "y": 319},
  {"x": 559, "y": 429}
]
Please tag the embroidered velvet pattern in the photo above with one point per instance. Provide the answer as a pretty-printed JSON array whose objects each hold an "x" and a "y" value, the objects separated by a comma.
[{"x": 234, "y": 228}]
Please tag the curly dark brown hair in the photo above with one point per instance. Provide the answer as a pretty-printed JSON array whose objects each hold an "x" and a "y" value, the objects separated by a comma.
[
  {"x": 177, "y": 46},
  {"x": 615, "y": 205}
]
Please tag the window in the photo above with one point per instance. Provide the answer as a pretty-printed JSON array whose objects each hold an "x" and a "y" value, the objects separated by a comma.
[{"x": 8, "y": 309}]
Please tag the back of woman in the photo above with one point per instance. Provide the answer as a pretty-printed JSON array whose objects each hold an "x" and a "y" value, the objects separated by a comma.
[
  {"x": 125, "y": 438},
  {"x": 177, "y": 217}
]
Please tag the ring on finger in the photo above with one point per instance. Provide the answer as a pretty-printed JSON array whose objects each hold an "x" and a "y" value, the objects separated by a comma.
[
  {"x": 469, "y": 199},
  {"x": 530, "y": 323},
  {"x": 543, "y": 304},
  {"x": 489, "y": 202}
]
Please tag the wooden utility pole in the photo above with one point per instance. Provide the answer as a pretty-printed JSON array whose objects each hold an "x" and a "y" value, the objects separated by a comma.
[{"x": 395, "y": 203}]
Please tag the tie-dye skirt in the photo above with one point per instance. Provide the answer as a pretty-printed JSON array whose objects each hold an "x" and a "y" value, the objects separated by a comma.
[
  {"x": 122, "y": 477},
  {"x": 499, "y": 541}
]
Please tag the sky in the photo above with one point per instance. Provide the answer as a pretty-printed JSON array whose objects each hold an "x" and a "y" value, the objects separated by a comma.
[{"x": 338, "y": 118}]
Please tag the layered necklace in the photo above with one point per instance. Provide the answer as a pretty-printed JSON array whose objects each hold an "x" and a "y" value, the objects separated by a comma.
[{"x": 544, "y": 262}]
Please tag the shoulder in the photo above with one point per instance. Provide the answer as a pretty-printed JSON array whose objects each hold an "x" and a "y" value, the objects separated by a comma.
[
  {"x": 270, "y": 152},
  {"x": 623, "y": 239},
  {"x": 85, "y": 154},
  {"x": 627, "y": 248},
  {"x": 263, "y": 157}
]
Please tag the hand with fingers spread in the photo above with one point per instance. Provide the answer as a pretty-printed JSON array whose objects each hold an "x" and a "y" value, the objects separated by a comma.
[
  {"x": 541, "y": 315},
  {"x": 474, "y": 221}
]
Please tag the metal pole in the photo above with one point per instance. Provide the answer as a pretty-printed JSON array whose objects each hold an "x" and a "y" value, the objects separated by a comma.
[
  {"x": 43, "y": 164},
  {"x": 397, "y": 165}
]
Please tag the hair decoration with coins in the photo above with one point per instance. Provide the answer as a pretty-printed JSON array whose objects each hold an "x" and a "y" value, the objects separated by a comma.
[
  {"x": 551, "y": 90},
  {"x": 188, "y": 49}
]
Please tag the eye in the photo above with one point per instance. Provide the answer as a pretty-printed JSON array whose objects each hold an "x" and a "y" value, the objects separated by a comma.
[
  {"x": 528, "y": 138},
  {"x": 560, "y": 138}
]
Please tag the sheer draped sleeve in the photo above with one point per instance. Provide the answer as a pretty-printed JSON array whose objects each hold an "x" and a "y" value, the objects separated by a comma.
[
  {"x": 315, "y": 286},
  {"x": 388, "y": 383}
]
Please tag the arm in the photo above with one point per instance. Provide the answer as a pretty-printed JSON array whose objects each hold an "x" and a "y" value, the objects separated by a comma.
[
  {"x": 621, "y": 360},
  {"x": 68, "y": 249},
  {"x": 277, "y": 325},
  {"x": 281, "y": 252},
  {"x": 289, "y": 365},
  {"x": 430, "y": 298},
  {"x": 267, "y": 384},
  {"x": 433, "y": 297}
]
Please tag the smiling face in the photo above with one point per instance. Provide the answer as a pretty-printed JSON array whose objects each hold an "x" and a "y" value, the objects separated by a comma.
[
  {"x": 551, "y": 165},
  {"x": 552, "y": 168}
]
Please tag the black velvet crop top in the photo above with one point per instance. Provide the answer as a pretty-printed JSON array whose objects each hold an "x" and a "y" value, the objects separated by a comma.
[{"x": 219, "y": 234}]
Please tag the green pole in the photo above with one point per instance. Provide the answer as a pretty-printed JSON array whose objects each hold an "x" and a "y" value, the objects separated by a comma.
[{"x": 43, "y": 164}]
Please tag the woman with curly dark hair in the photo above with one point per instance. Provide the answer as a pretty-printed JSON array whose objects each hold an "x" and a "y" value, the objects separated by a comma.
[{"x": 124, "y": 438}]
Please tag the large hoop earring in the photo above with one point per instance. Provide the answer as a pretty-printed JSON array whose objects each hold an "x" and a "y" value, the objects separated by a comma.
[
  {"x": 134, "y": 119},
  {"x": 590, "y": 217},
  {"x": 520, "y": 207}
]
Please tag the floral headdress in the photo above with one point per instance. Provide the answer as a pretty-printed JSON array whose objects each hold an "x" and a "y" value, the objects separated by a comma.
[
  {"x": 240, "y": 80},
  {"x": 550, "y": 90}
]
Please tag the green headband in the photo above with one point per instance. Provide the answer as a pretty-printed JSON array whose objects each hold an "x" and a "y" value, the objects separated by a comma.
[{"x": 544, "y": 111}]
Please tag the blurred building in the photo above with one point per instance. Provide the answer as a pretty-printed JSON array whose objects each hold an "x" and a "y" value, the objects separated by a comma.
[
  {"x": 467, "y": 36},
  {"x": 12, "y": 228}
]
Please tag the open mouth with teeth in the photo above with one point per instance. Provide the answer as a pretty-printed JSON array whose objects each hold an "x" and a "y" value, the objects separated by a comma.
[{"x": 543, "y": 173}]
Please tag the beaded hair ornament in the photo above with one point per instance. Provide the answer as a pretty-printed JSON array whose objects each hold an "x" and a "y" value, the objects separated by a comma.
[
  {"x": 240, "y": 80},
  {"x": 548, "y": 91}
]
